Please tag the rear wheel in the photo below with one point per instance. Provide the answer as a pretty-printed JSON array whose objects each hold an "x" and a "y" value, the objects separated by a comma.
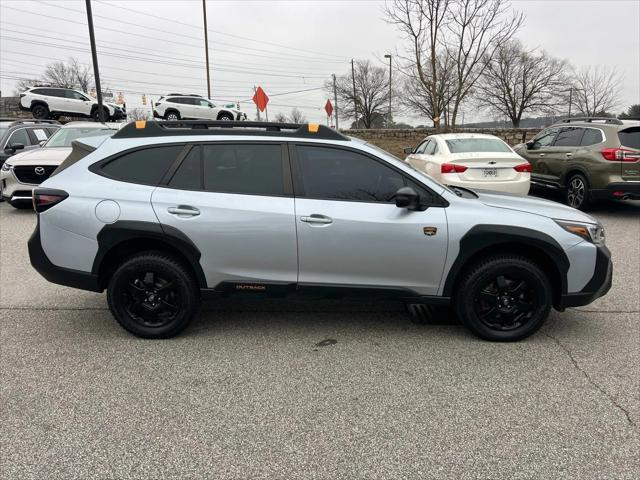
[
  {"x": 577, "y": 193},
  {"x": 96, "y": 115},
  {"x": 152, "y": 295},
  {"x": 40, "y": 111},
  {"x": 503, "y": 298}
]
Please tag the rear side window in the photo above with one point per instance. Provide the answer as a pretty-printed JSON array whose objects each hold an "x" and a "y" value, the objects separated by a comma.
[
  {"x": 569, "y": 137},
  {"x": 146, "y": 166},
  {"x": 421, "y": 147},
  {"x": 432, "y": 148},
  {"x": 591, "y": 137},
  {"x": 251, "y": 169},
  {"x": 336, "y": 174},
  {"x": 40, "y": 91},
  {"x": 189, "y": 174},
  {"x": 630, "y": 137}
]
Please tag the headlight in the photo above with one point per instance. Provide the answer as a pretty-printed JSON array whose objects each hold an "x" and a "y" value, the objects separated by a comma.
[
  {"x": 593, "y": 233},
  {"x": 6, "y": 167}
]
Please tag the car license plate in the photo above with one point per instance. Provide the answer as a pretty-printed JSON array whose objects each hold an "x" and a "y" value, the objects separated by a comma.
[{"x": 489, "y": 172}]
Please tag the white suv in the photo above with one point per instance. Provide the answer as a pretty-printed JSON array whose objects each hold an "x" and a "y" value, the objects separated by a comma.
[
  {"x": 54, "y": 102},
  {"x": 176, "y": 106},
  {"x": 164, "y": 215}
]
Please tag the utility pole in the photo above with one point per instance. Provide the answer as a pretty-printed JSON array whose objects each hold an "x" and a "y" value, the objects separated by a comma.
[
  {"x": 206, "y": 47},
  {"x": 570, "y": 100},
  {"x": 355, "y": 98},
  {"x": 335, "y": 99},
  {"x": 94, "y": 56},
  {"x": 389, "y": 57}
]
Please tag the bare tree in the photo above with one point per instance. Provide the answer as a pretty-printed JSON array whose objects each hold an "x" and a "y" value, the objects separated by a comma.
[
  {"x": 596, "y": 89},
  {"x": 280, "y": 118},
  {"x": 297, "y": 116},
  {"x": 465, "y": 31},
  {"x": 70, "y": 74},
  {"x": 516, "y": 81},
  {"x": 138, "y": 114},
  {"x": 371, "y": 96}
]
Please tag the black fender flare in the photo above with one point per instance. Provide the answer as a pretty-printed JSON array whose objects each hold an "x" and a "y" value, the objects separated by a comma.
[
  {"x": 39, "y": 102},
  {"x": 483, "y": 237},
  {"x": 115, "y": 234},
  {"x": 222, "y": 112},
  {"x": 575, "y": 168}
]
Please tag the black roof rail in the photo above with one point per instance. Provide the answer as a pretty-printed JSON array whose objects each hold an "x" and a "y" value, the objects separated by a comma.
[
  {"x": 19, "y": 121},
  {"x": 155, "y": 128},
  {"x": 183, "y": 95},
  {"x": 611, "y": 120}
]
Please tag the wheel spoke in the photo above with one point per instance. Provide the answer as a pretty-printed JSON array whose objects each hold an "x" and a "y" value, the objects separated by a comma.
[
  {"x": 519, "y": 288},
  {"x": 502, "y": 282},
  {"x": 488, "y": 297}
]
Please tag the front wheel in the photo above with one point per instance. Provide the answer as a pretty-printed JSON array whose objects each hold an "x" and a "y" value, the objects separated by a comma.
[
  {"x": 503, "y": 298},
  {"x": 152, "y": 295},
  {"x": 225, "y": 117},
  {"x": 96, "y": 115},
  {"x": 39, "y": 111}
]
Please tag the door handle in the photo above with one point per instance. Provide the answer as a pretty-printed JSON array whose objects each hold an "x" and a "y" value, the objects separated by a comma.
[
  {"x": 568, "y": 154},
  {"x": 184, "y": 210},
  {"x": 316, "y": 218},
  {"x": 541, "y": 154}
]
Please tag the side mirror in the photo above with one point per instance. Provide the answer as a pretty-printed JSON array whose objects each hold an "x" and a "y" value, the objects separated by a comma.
[
  {"x": 530, "y": 144},
  {"x": 407, "y": 197},
  {"x": 408, "y": 150},
  {"x": 16, "y": 146},
  {"x": 42, "y": 142}
]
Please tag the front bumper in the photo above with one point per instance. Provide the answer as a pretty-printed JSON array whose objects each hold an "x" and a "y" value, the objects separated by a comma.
[
  {"x": 156, "y": 114},
  {"x": 597, "y": 287},
  {"x": 630, "y": 190},
  {"x": 119, "y": 115},
  {"x": 54, "y": 273}
]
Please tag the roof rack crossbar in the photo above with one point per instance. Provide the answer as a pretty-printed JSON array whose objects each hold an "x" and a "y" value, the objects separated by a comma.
[
  {"x": 611, "y": 120},
  {"x": 222, "y": 127}
]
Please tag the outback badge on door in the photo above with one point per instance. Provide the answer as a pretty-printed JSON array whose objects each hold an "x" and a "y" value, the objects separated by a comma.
[{"x": 430, "y": 231}]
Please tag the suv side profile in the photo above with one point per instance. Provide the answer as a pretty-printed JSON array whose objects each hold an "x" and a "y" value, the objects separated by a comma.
[
  {"x": 54, "y": 102},
  {"x": 588, "y": 158},
  {"x": 176, "y": 106},
  {"x": 20, "y": 135},
  {"x": 162, "y": 215}
]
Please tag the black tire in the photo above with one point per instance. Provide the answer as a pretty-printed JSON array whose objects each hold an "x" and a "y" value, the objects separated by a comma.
[
  {"x": 225, "y": 116},
  {"x": 152, "y": 295},
  {"x": 96, "y": 115},
  {"x": 172, "y": 115},
  {"x": 504, "y": 298},
  {"x": 577, "y": 192},
  {"x": 40, "y": 111}
]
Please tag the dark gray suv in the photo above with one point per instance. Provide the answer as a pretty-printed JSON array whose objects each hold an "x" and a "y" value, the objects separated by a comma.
[{"x": 18, "y": 135}]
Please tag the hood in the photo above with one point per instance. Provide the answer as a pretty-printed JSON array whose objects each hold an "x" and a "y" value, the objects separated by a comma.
[
  {"x": 537, "y": 206},
  {"x": 41, "y": 156}
]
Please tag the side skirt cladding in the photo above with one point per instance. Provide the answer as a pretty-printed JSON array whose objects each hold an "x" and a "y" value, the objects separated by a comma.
[{"x": 124, "y": 237}]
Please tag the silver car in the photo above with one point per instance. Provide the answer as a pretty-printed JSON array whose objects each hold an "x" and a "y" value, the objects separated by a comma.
[{"x": 162, "y": 215}]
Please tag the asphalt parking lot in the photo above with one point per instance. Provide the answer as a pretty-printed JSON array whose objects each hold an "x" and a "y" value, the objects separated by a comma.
[{"x": 315, "y": 389}]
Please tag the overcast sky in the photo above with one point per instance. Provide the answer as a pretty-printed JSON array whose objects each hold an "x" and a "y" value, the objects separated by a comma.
[{"x": 156, "y": 47}]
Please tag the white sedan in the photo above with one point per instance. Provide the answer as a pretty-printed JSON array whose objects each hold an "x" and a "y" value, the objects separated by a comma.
[{"x": 472, "y": 160}]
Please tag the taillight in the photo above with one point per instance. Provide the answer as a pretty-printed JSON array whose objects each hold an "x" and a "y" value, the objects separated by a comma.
[
  {"x": 620, "y": 155},
  {"x": 45, "y": 198},
  {"x": 452, "y": 168},
  {"x": 523, "y": 168}
]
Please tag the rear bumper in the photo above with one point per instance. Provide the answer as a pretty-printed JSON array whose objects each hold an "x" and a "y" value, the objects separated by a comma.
[
  {"x": 630, "y": 190},
  {"x": 597, "y": 287},
  {"x": 518, "y": 186},
  {"x": 55, "y": 274}
]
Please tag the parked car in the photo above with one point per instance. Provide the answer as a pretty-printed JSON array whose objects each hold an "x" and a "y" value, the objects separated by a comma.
[
  {"x": 588, "y": 159},
  {"x": 26, "y": 170},
  {"x": 176, "y": 106},
  {"x": 54, "y": 102},
  {"x": 471, "y": 160},
  {"x": 162, "y": 216},
  {"x": 17, "y": 135}
]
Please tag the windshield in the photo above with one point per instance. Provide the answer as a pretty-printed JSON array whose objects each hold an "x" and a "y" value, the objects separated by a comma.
[
  {"x": 64, "y": 136},
  {"x": 474, "y": 145}
]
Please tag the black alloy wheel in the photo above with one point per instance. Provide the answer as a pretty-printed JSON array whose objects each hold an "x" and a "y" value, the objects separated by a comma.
[{"x": 505, "y": 303}]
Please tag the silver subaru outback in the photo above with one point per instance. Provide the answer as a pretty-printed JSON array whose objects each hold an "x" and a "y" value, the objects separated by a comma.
[{"x": 165, "y": 214}]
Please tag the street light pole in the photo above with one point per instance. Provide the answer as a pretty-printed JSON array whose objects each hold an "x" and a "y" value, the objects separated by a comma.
[
  {"x": 206, "y": 46},
  {"x": 355, "y": 98},
  {"x": 335, "y": 99},
  {"x": 389, "y": 57},
  {"x": 94, "y": 57},
  {"x": 570, "y": 100}
]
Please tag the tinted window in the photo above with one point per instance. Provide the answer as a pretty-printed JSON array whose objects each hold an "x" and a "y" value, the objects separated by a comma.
[
  {"x": 344, "y": 175},
  {"x": 142, "y": 166},
  {"x": 19, "y": 136},
  {"x": 630, "y": 137},
  {"x": 569, "y": 137},
  {"x": 468, "y": 145},
  {"x": 54, "y": 92},
  {"x": 591, "y": 137},
  {"x": 40, "y": 91},
  {"x": 174, "y": 100},
  {"x": 545, "y": 138},
  {"x": 247, "y": 169},
  {"x": 189, "y": 174},
  {"x": 74, "y": 95}
]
